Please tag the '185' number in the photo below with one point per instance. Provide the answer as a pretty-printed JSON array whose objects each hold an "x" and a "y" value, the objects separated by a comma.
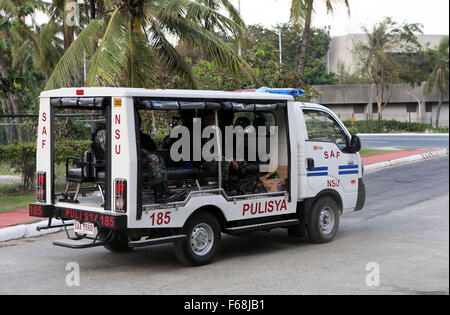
[{"x": 160, "y": 218}]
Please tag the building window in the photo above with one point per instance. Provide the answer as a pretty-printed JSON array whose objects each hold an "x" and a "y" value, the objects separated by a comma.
[
  {"x": 359, "y": 109},
  {"x": 411, "y": 108},
  {"x": 429, "y": 108}
]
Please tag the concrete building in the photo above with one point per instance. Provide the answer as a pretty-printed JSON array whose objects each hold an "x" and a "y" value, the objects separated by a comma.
[
  {"x": 406, "y": 104},
  {"x": 340, "y": 53}
]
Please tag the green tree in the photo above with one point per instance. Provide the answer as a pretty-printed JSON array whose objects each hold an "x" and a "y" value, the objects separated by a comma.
[
  {"x": 301, "y": 14},
  {"x": 378, "y": 56},
  {"x": 131, "y": 38},
  {"x": 263, "y": 57},
  {"x": 18, "y": 43},
  {"x": 439, "y": 78}
]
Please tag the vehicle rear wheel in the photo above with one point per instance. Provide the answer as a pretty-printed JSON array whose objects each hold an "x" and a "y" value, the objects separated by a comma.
[
  {"x": 323, "y": 221},
  {"x": 203, "y": 240},
  {"x": 118, "y": 240}
]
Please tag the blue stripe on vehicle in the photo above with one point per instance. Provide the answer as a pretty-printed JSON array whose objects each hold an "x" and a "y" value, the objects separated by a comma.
[
  {"x": 348, "y": 172},
  {"x": 345, "y": 167},
  {"x": 318, "y": 174},
  {"x": 323, "y": 168}
]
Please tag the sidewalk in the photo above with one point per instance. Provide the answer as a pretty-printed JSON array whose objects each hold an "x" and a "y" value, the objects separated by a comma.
[
  {"x": 371, "y": 162},
  {"x": 394, "y": 155},
  {"x": 13, "y": 218}
]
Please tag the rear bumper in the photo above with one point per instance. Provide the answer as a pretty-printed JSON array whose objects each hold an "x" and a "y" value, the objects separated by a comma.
[{"x": 100, "y": 219}]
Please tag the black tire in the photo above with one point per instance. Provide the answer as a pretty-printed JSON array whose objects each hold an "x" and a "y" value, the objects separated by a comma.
[
  {"x": 324, "y": 210},
  {"x": 203, "y": 240},
  {"x": 118, "y": 242}
]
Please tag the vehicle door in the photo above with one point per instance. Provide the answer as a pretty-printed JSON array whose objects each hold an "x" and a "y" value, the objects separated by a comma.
[{"x": 328, "y": 164}]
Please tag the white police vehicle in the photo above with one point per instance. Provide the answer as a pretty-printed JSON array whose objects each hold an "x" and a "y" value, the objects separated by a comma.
[{"x": 311, "y": 177}]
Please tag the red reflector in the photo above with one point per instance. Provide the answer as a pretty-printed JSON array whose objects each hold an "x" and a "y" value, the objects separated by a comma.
[
  {"x": 120, "y": 188},
  {"x": 80, "y": 92},
  {"x": 121, "y": 195},
  {"x": 40, "y": 188}
]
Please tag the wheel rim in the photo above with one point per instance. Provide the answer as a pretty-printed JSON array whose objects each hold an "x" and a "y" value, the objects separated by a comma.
[
  {"x": 202, "y": 239},
  {"x": 326, "y": 221}
]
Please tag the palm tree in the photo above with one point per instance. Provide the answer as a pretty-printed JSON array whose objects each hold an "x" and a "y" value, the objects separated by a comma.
[
  {"x": 40, "y": 44},
  {"x": 17, "y": 34},
  {"x": 301, "y": 13},
  {"x": 132, "y": 37},
  {"x": 233, "y": 13},
  {"x": 439, "y": 78},
  {"x": 58, "y": 10}
]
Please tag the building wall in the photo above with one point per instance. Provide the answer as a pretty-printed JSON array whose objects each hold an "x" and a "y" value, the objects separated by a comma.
[
  {"x": 341, "y": 48},
  {"x": 359, "y": 101}
]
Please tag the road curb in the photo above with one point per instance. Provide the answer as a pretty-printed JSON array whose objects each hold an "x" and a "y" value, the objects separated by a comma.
[
  {"x": 408, "y": 159},
  {"x": 28, "y": 230}
]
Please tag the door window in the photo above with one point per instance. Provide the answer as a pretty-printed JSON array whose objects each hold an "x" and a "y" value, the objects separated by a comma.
[{"x": 323, "y": 128}]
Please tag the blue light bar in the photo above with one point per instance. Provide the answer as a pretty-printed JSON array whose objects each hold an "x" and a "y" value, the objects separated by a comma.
[{"x": 292, "y": 92}]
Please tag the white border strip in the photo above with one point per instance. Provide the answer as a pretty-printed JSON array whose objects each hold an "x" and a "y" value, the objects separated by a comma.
[
  {"x": 408, "y": 159},
  {"x": 29, "y": 230}
]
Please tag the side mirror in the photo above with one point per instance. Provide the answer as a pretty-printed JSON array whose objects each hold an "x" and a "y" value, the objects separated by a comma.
[{"x": 355, "y": 144}]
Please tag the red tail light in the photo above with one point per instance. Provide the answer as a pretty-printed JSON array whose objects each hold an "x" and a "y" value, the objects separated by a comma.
[
  {"x": 121, "y": 195},
  {"x": 41, "y": 187}
]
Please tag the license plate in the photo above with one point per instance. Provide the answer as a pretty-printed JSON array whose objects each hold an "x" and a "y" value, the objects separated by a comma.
[{"x": 84, "y": 228}]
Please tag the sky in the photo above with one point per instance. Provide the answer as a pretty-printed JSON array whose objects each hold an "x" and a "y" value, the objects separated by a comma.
[{"x": 432, "y": 14}]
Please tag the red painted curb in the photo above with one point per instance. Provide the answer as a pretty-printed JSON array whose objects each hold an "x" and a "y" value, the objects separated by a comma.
[
  {"x": 393, "y": 155},
  {"x": 13, "y": 218}
]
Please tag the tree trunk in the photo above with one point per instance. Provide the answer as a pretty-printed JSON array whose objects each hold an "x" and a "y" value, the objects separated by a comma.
[
  {"x": 92, "y": 9},
  {"x": 12, "y": 128},
  {"x": 438, "y": 111},
  {"x": 154, "y": 124},
  {"x": 17, "y": 110},
  {"x": 6, "y": 119},
  {"x": 380, "y": 117},
  {"x": 9, "y": 102},
  {"x": 305, "y": 40},
  {"x": 379, "y": 97},
  {"x": 68, "y": 30}
]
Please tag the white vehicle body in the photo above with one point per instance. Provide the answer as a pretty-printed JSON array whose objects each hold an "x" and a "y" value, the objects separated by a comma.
[{"x": 336, "y": 174}]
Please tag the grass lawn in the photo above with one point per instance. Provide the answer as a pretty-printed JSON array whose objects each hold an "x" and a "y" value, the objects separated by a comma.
[
  {"x": 12, "y": 198},
  {"x": 12, "y": 201},
  {"x": 6, "y": 171},
  {"x": 369, "y": 152}
]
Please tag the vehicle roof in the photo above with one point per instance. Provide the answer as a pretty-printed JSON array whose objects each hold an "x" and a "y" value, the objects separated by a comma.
[
  {"x": 163, "y": 93},
  {"x": 312, "y": 105}
]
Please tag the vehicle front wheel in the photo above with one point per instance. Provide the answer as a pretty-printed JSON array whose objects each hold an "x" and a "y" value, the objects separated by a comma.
[
  {"x": 323, "y": 221},
  {"x": 203, "y": 240}
]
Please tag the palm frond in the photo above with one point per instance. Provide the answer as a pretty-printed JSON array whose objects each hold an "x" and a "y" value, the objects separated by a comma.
[
  {"x": 215, "y": 49},
  {"x": 169, "y": 55},
  {"x": 69, "y": 66},
  {"x": 196, "y": 13},
  {"x": 8, "y": 7},
  {"x": 22, "y": 54},
  {"x": 123, "y": 57},
  {"x": 439, "y": 77},
  {"x": 298, "y": 12}
]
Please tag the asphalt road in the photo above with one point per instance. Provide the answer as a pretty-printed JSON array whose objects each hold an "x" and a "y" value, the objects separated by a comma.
[
  {"x": 403, "y": 231},
  {"x": 405, "y": 141}
]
